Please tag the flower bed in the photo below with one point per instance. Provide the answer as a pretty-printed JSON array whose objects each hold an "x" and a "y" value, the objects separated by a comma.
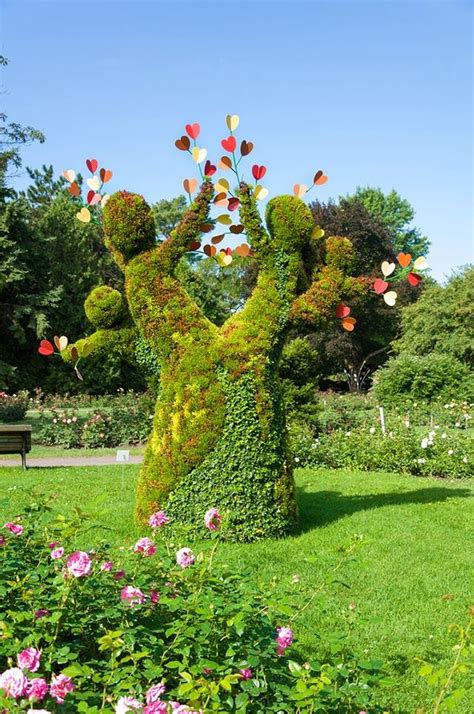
[{"x": 153, "y": 627}]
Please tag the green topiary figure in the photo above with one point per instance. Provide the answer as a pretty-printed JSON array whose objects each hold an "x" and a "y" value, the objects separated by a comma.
[{"x": 219, "y": 438}]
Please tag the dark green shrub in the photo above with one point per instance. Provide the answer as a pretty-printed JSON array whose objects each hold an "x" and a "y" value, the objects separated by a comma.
[{"x": 423, "y": 378}]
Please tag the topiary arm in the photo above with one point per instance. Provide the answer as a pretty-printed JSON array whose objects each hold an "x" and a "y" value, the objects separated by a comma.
[{"x": 164, "y": 312}]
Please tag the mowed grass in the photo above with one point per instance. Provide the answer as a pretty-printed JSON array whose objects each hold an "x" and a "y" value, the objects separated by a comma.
[{"x": 410, "y": 578}]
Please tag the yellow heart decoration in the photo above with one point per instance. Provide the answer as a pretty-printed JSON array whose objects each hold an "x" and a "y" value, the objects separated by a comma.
[
  {"x": 222, "y": 186},
  {"x": 104, "y": 200},
  {"x": 390, "y": 297},
  {"x": 232, "y": 121},
  {"x": 225, "y": 219},
  {"x": 93, "y": 183},
  {"x": 299, "y": 189},
  {"x": 223, "y": 259},
  {"x": 85, "y": 349},
  {"x": 199, "y": 154},
  {"x": 421, "y": 263},
  {"x": 387, "y": 268},
  {"x": 260, "y": 193},
  {"x": 84, "y": 215},
  {"x": 69, "y": 175},
  {"x": 317, "y": 233}
]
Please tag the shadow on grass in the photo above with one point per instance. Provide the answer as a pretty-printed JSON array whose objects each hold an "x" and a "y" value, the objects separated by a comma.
[{"x": 318, "y": 508}]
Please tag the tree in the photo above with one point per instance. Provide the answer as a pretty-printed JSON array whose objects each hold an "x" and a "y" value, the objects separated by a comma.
[
  {"x": 395, "y": 214},
  {"x": 167, "y": 213}
]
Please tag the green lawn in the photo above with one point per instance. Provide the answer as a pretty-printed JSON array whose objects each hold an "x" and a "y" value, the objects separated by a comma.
[{"x": 417, "y": 545}]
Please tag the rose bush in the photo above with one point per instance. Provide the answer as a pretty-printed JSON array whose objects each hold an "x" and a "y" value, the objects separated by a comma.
[{"x": 153, "y": 627}]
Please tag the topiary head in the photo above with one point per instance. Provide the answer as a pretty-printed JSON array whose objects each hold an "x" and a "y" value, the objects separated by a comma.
[
  {"x": 129, "y": 226},
  {"x": 104, "y": 307},
  {"x": 290, "y": 223}
]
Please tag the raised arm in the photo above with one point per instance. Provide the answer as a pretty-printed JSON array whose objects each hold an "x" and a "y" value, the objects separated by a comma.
[{"x": 162, "y": 309}]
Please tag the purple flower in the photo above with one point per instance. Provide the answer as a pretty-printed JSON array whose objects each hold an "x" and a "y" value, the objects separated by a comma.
[
  {"x": 185, "y": 557},
  {"x": 156, "y": 707},
  {"x": 212, "y": 519},
  {"x": 119, "y": 575},
  {"x": 158, "y": 519},
  {"x": 42, "y": 612},
  {"x": 79, "y": 564},
  {"x": 29, "y": 659},
  {"x": 57, "y": 553},
  {"x": 284, "y": 639},
  {"x": 14, "y": 528},
  {"x": 107, "y": 566},
  {"x": 246, "y": 673},
  {"x": 60, "y": 686},
  {"x": 145, "y": 546},
  {"x": 154, "y": 597}
]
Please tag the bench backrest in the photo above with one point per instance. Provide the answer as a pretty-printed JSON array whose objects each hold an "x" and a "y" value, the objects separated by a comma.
[{"x": 14, "y": 438}]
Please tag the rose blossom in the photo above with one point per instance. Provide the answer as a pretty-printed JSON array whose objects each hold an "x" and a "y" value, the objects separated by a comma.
[
  {"x": 38, "y": 711},
  {"x": 13, "y": 682},
  {"x": 155, "y": 692},
  {"x": 156, "y": 708},
  {"x": 37, "y": 689},
  {"x": 29, "y": 659},
  {"x": 127, "y": 704},
  {"x": 119, "y": 575},
  {"x": 145, "y": 546},
  {"x": 14, "y": 528},
  {"x": 133, "y": 595},
  {"x": 79, "y": 564},
  {"x": 107, "y": 566},
  {"x": 284, "y": 639},
  {"x": 158, "y": 519},
  {"x": 154, "y": 596},
  {"x": 57, "y": 553},
  {"x": 246, "y": 673},
  {"x": 212, "y": 519},
  {"x": 185, "y": 557},
  {"x": 42, "y": 612},
  {"x": 60, "y": 686},
  {"x": 53, "y": 544}
]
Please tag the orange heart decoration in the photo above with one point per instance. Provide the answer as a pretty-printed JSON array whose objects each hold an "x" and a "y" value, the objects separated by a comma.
[
  {"x": 190, "y": 185},
  {"x": 237, "y": 228},
  {"x": 74, "y": 189},
  {"x": 319, "y": 178},
  {"x": 225, "y": 162},
  {"x": 242, "y": 250},
  {"x": 217, "y": 239},
  {"x": 182, "y": 144},
  {"x": 195, "y": 245},
  {"x": 348, "y": 323},
  {"x": 105, "y": 175},
  {"x": 210, "y": 250},
  {"x": 404, "y": 259}
]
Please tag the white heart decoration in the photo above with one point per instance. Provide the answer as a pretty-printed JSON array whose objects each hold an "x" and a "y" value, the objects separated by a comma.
[
  {"x": 260, "y": 192},
  {"x": 104, "y": 199},
  {"x": 387, "y": 268},
  {"x": 421, "y": 263},
  {"x": 199, "y": 154},
  {"x": 93, "y": 183},
  {"x": 69, "y": 175},
  {"x": 390, "y": 297}
]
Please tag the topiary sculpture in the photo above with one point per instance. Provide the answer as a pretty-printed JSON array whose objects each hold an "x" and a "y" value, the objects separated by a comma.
[{"x": 219, "y": 436}]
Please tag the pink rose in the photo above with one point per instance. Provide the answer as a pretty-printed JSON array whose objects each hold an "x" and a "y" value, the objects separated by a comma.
[
  {"x": 134, "y": 596},
  {"x": 284, "y": 639},
  {"x": 42, "y": 612},
  {"x": 57, "y": 553},
  {"x": 156, "y": 708},
  {"x": 145, "y": 546},
  {"x": 185, "y": 557},
  {"x": 119, "y": 575},
  {"x": 14, "y": 528},
  {"x": 246, "y": 673},
  {"x": 37, "y": 689},
  {"x": 2, "y": 540},
  {"x": 60, "y": 686},
  {"x": 53, "y": 544},
  {"x": 79, "y": 564},
  {"x": 155, "y": 692},
  {"x": 107, "y": 566},
  {"x": 154, "y": 597},
  {"x": 29, "y": 659},
  {"x": 127, "y": 704},
  {"x": 158, "y": 519},
  {"x": 13, "y": 682},
  {"x": 212, "y": 519}
]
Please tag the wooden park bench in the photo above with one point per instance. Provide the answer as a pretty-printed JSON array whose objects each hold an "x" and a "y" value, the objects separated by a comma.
[{"x": 15, "y": 439}]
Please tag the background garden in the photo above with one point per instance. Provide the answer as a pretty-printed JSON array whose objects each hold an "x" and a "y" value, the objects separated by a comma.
[{"x": 366, "y": 607}]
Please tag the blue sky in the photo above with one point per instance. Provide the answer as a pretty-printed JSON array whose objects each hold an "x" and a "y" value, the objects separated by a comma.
[{"x": 374, "y": 93}]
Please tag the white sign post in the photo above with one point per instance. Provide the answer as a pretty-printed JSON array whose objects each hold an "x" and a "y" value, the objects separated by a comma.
[
  {"x": 382, "y": 420},
  {"x": 122, "y": 455}
]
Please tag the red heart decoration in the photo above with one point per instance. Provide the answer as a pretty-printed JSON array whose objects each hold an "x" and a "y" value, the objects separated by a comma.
[
  {"x": 380, "y": 286},
  {"x": 45, "y": 348},
  {"x": 92, "y": 165},
  {"x": 90, "y": 196},
  {"x": 342, "y": 310},
  {"x": 258, "y": 172},
  {"x": 193, "y": 130},
  {"x": 182, "y": 144},
  {"x": 414, "y": 279},
  {"x": 209, "y": 169},
  {"x": 229, "y": 144},
  {"x": 226, "y": 251},
  {"x": 195, "y": 245},
  {"x": 233, "y": 204}
]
